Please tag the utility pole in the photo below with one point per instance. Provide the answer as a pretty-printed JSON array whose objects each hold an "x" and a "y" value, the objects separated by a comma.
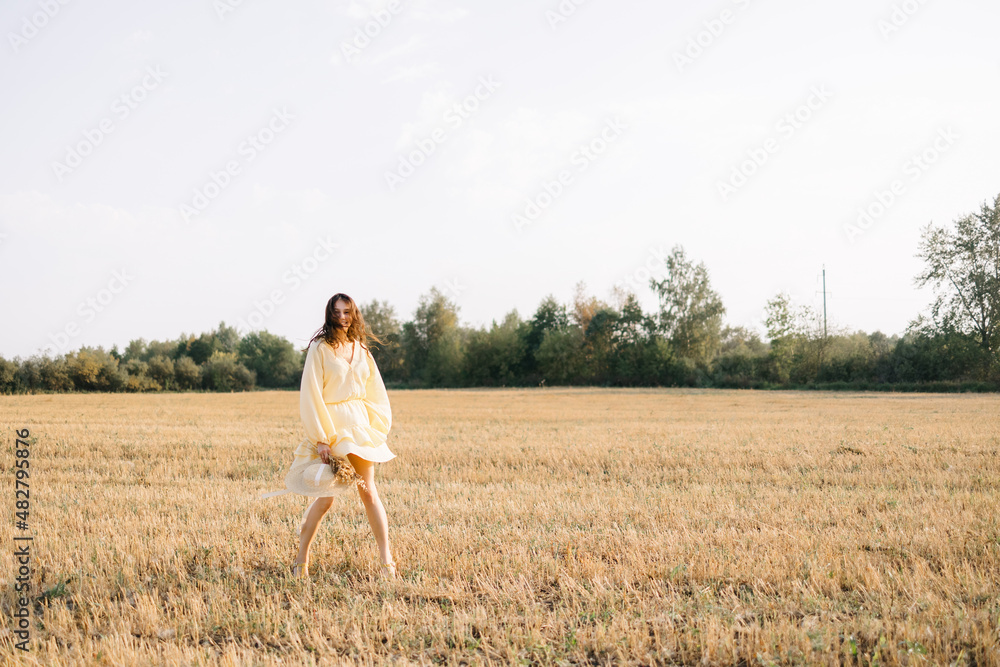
[{"x": 824, "y": 301}]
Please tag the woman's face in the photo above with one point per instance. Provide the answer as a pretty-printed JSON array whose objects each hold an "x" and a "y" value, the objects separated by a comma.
[{"x": 341, "y": 314}]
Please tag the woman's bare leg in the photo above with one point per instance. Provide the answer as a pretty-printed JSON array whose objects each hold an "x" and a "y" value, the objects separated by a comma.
[
  {"x": 310, "y": 526},
  {"x": 373, "y": 505}
]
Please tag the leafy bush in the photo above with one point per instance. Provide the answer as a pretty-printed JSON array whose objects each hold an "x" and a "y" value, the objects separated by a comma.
[
  {"x": 187, "y": 374},
  {"x": 222, "y": 372}
]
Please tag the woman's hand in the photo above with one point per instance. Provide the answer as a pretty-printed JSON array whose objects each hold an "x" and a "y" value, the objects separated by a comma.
[{"x": 324, "y": 452}]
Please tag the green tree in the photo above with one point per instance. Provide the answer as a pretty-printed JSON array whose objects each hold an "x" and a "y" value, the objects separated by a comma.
[
  {"x": 782, "y": 319},
  {"x": 84, "y": 369},
  {"x": 273, "y": 359},
  {"x": 690, "y": 310},
  {"x": 224, "y": 372},
  {"x": 549, "y": 315},
  {"x": 927, "y": 354},
  {"x": 161, "y": 369},
  {"x": 785, "y": 331},
  {"x": 595, "y": 349},
  {"x": 638, "y": 359},
  {"x": 560, "y": 356},
  {"x": 156, "y": 348},
  {"x": 962, "y": 263},
  {"x": 600, "y": 346},
  {"x": 741, "y": 359},
  {"x": 136, "y": 349},
  {"x": 187, "y": 374},
  {"x": 201, "y": 349},
  {"x": 28, "y": 376},
  {"x": 432, "y": 341},
  {"x": 8, "y": 374},
  {"x": 381, "y": 319},
  {"x": 93, "y": 369},
  {"x": 138, "y": 377},
  {"x": 227, "y": 338},
  {"x": 55, "y": 375},
  {"x": 493, "y": 357},
  {"x": 798, "y": 342},
  {"x": 634, "y": 326},
  {"x": 584, "y": 306}
]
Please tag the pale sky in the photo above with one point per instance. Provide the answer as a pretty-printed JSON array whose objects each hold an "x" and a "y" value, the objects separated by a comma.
[{"x": 167, "y": 166}]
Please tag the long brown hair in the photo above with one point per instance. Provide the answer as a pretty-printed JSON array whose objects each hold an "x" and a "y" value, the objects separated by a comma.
[{"x": 334, "y": 335}]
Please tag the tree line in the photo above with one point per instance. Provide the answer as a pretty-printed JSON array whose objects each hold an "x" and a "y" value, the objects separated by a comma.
[{"x": 685, "y": 342}]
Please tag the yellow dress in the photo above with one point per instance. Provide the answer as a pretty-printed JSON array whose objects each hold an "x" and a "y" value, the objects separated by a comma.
[{"x": 344, "y": 405}]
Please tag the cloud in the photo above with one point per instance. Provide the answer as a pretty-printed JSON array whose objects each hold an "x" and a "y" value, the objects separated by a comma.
[
  {"x": 306, "y": 201},
  {"x": 413, "y": 72},
  {"x": 362, "y": 9},
  {"x": 420, "y": 10},
  {"x": 539, "y": 142},
  {"x": 429, "y": 115},
  {"x": 41, "y": 213},
  {"x": 454, "y": 14},
  {"x": 413, "y": 42}
]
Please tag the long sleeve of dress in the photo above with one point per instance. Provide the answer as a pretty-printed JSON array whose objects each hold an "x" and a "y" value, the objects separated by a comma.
[
  {"x": 376, "y": 399},
  {"x": 312, "y": 407}
]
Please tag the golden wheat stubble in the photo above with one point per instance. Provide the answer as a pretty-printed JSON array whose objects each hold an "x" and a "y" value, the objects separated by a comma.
[{"x": 625, "y": 525}]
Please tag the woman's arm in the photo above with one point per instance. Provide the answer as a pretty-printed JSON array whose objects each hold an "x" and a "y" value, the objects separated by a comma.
[
  {"x": 312, "y": 406},
  {"x": 376, "y": 399}
]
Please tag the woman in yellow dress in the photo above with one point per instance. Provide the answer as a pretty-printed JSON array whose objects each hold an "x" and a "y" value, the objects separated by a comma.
[{"x": 345, "y": 412}]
